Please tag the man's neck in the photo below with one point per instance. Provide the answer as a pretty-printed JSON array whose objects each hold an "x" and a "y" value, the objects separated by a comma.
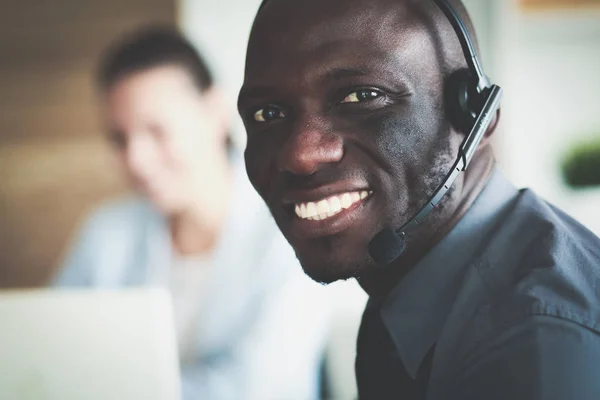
[{"x": 383, "y": 280}]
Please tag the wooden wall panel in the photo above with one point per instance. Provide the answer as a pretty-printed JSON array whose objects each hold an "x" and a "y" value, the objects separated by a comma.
[
  {"x": 562, "y": 4},
  {"x": 54, "y": 164}
]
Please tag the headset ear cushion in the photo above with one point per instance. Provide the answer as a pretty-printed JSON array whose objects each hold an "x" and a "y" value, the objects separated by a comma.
[{"x": 458, "y": 89}]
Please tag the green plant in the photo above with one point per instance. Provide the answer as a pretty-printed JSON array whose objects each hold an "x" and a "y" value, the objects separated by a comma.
[{"x": 581, "y": 165}]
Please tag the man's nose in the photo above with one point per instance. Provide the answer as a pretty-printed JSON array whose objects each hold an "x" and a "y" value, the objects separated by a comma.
[{"x": 311, "y": 145}]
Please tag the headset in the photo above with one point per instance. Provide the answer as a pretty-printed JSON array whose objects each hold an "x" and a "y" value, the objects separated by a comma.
[{"x": 473, "y": 102}]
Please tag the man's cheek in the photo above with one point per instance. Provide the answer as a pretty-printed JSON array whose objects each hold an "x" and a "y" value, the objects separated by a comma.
[
  {"x": 262, "y": 172},
  {"x": 396, "y": 130},
  {"x": 254, "y": 169}
]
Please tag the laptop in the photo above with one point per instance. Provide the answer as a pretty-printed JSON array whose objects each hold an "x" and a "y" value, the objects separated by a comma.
[{"x": 92, "y": 345}]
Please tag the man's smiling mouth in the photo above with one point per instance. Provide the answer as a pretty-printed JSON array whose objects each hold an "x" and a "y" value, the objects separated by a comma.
[{"x": 330, "y": 206}]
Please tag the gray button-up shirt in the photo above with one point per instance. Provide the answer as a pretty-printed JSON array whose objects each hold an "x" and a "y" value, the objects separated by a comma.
[{"x": 511, "y": 300}]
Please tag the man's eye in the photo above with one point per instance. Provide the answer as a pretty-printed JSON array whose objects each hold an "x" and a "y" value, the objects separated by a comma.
[
  {"x": 268, "y": 114},
  {"x": 361, "y": 95}
]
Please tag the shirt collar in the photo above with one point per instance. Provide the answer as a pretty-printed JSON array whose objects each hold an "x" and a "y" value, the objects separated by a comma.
[{"x": 416, "y": 309}]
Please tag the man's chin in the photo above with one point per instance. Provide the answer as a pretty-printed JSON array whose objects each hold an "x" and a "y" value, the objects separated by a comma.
[
  {"x": 327, "y": 273},
  {"x": 330, "y": 259}
]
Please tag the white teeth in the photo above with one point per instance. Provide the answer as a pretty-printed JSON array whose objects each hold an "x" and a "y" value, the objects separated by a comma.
[
  {"x": 335, "y": 204},
  {"x": 311, "y": 210},
  {"x": 329, "y": 207},
  {"x": 346, "y": 200},
  {"x": 323, "y": 207}
]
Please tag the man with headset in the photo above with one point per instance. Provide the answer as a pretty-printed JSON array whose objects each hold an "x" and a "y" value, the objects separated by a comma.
[{"x": 362, "y": 117}]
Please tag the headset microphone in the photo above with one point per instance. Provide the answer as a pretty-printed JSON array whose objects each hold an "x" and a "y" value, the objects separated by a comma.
[{"x": 389, "y": 244}]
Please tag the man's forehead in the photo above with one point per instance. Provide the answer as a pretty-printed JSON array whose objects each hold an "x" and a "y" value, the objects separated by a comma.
[
  {"x": 307, "y": 22},
  {"x": 332, "y": 32}
]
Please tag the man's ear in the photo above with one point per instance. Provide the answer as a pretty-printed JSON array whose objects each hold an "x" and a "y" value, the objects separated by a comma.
[{"x": 487, "y": 137}]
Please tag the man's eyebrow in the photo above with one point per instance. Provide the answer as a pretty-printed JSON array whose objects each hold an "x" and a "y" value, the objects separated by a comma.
[
  {"x": 252, "y": 92},
  {"x": 341, "y": 73},
  {"x": 387, "y": 68}
]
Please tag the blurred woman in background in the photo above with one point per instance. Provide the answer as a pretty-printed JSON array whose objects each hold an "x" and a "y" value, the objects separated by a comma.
[{"x": 249, "y": 324}]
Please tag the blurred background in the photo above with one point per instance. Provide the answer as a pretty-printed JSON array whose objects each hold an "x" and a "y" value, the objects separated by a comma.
[{"x": 55, "y": 165}]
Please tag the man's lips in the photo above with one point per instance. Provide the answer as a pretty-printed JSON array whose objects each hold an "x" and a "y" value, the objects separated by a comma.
[
  {"x": 330, "y": 206},
  {"x": 325, "y": 210}
]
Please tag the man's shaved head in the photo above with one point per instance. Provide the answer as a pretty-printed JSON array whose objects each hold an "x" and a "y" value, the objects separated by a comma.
[{"x": 346, "y": 109}]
